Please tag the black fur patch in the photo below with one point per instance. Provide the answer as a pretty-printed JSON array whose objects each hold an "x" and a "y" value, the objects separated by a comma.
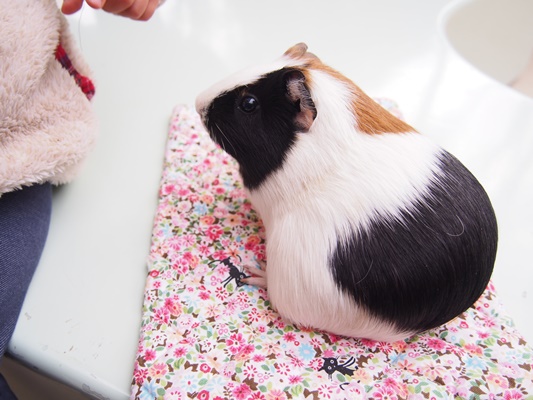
[
  {"x": 425, "y": 270},
  {"x": 259, "y": 140}
]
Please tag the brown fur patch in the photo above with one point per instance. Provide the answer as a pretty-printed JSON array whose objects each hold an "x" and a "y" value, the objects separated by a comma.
[{"x": 370, "y": 117}]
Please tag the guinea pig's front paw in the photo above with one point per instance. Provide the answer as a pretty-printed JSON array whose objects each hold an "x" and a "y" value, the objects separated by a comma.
[{"x": 258, "y": 275}]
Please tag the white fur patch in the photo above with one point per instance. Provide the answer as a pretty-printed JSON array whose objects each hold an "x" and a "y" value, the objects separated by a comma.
[{"x": 335, "y": 181}]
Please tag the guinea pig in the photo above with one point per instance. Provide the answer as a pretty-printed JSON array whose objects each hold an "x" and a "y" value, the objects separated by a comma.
[{"x": 372, "y": 230}]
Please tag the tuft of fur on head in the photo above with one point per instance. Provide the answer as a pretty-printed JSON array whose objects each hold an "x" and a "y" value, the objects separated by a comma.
[{"x": 348, "y": 195}]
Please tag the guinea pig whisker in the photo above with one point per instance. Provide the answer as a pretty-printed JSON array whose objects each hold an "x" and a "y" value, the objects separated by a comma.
[
  {"x": 225, "y": 137},
  {"x": 367, "y": 273}
]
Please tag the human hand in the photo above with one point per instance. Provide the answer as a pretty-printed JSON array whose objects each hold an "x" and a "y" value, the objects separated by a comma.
[{"x": 141, "y": 10}]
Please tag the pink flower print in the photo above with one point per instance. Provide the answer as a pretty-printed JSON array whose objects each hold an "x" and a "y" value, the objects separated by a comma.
[
  {"x": 250, "y": 371},
  {"x": 432, "y": 370},
  {"x": 324, "y": 392},
  {"x": 497, "y": 380},
  {"x": 258, "y": 358},
  {"x": 257, "y": 396},
  {"x": 474, "y": 349},
  {"x": 203, "y": 395},
  {"x": 509, "y": 369},
  {"x": 188, "y": 240},
  {"x": 154, "y": 273},
  {"x": 183, "y": 191},
  {"x": 162, "y": 315},
  {"x": 406, "y": 365},
  {"x": 399, "y": 346},
  {"x": 211, "y": 310},
  {"x": 295, "y": 379},
  {"x": 385, "y": 347},
  {"x": 252, "y": 242},
  {"x": 328, "y": 353},
  {"x": 173, "y": 307},
  {"x": 221, "y": 293},
  {"x": 456, "y": 350},
  {"x": 272, "y": 349},
  {"x": 436, "y": 344},
  {"x": 207, "y": 220},
  {"x": 191, "y": 259},
  {"x": 243, "y": 300},
  {"x": 316, "y": 364},
  {"x": 167, "y": 189},
  {"x": 513, "y": 395},
  {"x": 483, "y": 334},
  {"x": 205, "y": 368},
  {"x": 391, "y": 383},
  {"x": 278, "y": 322},
  {"x": 214, "y": 232},
  {"x": 221, "y": 269},
  {"x": 385, "y": 393},
  {"x": 368, "y": 342},
  {"x": 247, "y": 349},
  {"x": 231, "y": 306},
  {"x": 204, "y": 250},
  {"x": 220, "y": 211},
  {"x": 207, "y": 198},
  {"x": 180, "y": 266},
  {"x": 149, "y": 355},
  {"x": 184, "y": 206},
  {"x": 253, "y": 315},
  {"x": 235, "y": 342},
  {"x": 204, "y": 295},
  {"x": 289, "y": 337},
  {"x": 283, "y": 369},
  {"x": 140, "y": 375},
  {"x": 297, "y": 362},
  {"x": 180, "y": 352},
  {"x": 242, "y": 392},
  {"x": 276, "y": 394},
  {"x": 157, "y": 370},
  {"x": 489, "y": 322},
  {"x": 246, "y": 207}
]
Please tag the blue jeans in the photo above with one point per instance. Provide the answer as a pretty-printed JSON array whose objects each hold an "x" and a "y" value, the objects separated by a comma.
[{"x": 24, "y": 221}]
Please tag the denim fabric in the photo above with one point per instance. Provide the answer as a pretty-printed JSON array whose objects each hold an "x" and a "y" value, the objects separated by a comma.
[
  {"x": 24, "y": 222},
  {"x": 5, "y": 391}
]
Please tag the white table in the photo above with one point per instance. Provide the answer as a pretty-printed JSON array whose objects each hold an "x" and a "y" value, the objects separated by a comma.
[{"x": 81, "y": 318}]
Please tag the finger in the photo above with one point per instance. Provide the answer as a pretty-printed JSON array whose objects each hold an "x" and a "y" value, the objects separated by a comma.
[
  {"x": 256, "y": 272},
  {"x": 120, "y": 6},
  {"x": 136, "y": 10},
  {"x": 97, "y": 4},
  {"x": 71, "y": 6},
  {"x": 259, "y": 282},
  {"x": 141, "y": 10},
  {"x": 150, "y": 10}
]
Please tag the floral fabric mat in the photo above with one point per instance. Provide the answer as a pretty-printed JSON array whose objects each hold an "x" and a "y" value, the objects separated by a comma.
[{"x": 205, "y": 335}]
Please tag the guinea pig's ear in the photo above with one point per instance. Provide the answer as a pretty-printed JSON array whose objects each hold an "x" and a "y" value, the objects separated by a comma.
[
  {"x": 296, "y": 51},
  {"x": 298, "y": 93}
]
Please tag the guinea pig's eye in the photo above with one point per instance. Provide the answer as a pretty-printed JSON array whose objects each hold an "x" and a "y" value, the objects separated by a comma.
[{"x": 248, "y": 104}]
